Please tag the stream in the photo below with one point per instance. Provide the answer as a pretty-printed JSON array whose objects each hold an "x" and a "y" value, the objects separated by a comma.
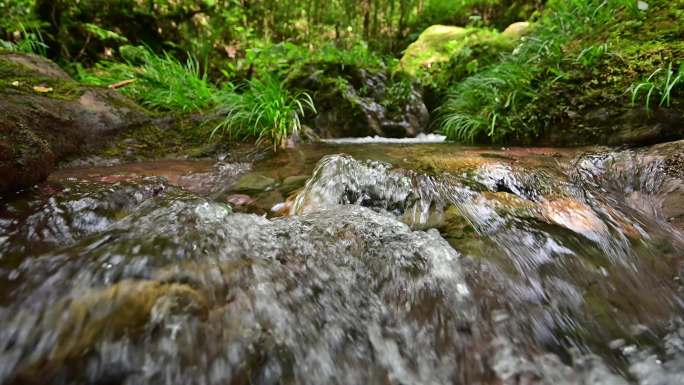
[{"x": 353, "y": 263}]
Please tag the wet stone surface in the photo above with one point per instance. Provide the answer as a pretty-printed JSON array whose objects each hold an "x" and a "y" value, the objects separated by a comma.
[{"x": 393, "y": 264}]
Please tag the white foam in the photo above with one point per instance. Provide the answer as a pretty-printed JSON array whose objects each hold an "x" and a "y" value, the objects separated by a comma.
[{"x": 421, "y": 138}]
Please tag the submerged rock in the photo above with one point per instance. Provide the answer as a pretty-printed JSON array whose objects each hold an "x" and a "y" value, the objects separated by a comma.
[
  {"x": 549, "y": 274},
  {"x": 254, "y": 183},
  {"x": 39, "y": 128}
]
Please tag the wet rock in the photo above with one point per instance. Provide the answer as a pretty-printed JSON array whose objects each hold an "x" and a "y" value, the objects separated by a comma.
[
  {"x": 38, "y": 129},
  {"x": 254, "y": 183},
  {"x": 240, "y": 200},
  {"x": 67, "y": 213},
  {"x": 358, "y": 102},
  {"x": 344, "y": 293},
  {"x": 618, "y": 125},
  {"x": 264, "y": 284},
  {"x": 649, "y": 180},
  {"x": 123, "y": 309},
  {"x": 340, "y": 180},
  {"x": 38, "y": 64},
  {"x": 292, "y": 183}
]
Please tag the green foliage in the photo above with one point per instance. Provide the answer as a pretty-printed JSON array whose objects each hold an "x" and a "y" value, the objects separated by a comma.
[
  {"x": 20, "y": 29},
  {"x": 168, "y": 83},
  {"x": 287, "y": 58},
  {"x": 262, "y": 108},
  {"x": 477, "y": 13},
  {"x": 30, "y": 41},
  {"x": 482, "y": 104},
  {"x": 479, "y": 49},
  {"x": 498, "y": 103},
  {"x": 104, "y": 34},
  {"x": 17, "y": 15},
  {"x": 161, "y": 81},
  {"x": 266, "y": 110},
  {"x": 661, "y": 83}
]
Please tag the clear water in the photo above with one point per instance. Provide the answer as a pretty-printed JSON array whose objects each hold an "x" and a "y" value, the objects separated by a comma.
[{"x": 381, "y": 264}]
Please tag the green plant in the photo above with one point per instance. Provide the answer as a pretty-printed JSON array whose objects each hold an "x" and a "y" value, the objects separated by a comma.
[
  {"x": 495, "y": 103},
  {"x": 161, "y": 81},
  {"x": 487, "y": 104},
  {"x": 266, "y": 110},
  {"x": 31, "y": 41},
  {"x": 660, "y": 83},
  {"x": 104, "y": 34},
  {"x": 590, "y": 55},
  {"x": 174, "y": 85}
]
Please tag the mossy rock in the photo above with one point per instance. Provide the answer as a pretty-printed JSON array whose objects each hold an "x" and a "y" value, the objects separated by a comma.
[
  {"x": 254, "y": 183},
  {"x": 355, "y": 102},
  {"x": 437, "y": 44},
  {"x": 46, "y": 116},
  {"x": 123, "y": 309},
  {"x": 517, "y": 30}
]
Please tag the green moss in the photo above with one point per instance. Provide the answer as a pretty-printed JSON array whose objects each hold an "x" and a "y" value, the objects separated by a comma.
[
  {"x": 28, "y": 146},
  {"x": 439, "y": 43},
  {"x": 583, "y": 67},
  {"x": 184, "y": 138},
  {"x": 17, "y": 77}
]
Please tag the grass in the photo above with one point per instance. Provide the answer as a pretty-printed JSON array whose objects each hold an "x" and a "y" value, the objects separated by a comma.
[
  {"x": 162, "y": 82},
  {"x": 266, "y": 110},
  {"x": 661, "y": 83},
  {"x": 497, "y": 103},
  {"x": 31, "y": 41},
  {"x": 261, "y": 108}
]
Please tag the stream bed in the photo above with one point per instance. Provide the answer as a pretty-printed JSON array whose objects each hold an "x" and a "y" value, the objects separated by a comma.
[{"x": 350, "y": 264}]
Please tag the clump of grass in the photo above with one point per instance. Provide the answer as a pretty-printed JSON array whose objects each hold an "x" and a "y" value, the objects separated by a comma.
[
  {"x": 494, "y": 103},
  {"x": 261, "y": 108},
  {"x": 661, "y": 83},
  {"x": 161, "y": 81},
  {"x": 487, "y": 104},
  {"x": 31, "y": 41},
  {"x": 266, "y": 110},
  {"x": 175, "y": 85}
]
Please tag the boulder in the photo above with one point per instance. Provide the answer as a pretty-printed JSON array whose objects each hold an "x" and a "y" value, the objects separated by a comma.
[
  {"x": 358, "y": 102},
  {"x": 516, "y": 30},
  {"x": 432, "y": 46},
  {"x": 439, "y": 43},
  {"x": 46, "y": 116},
  {"x": 617, "y": 125}
]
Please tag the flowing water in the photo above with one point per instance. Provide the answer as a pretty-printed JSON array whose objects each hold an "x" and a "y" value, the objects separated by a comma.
[{"x": 351, "y": 264}]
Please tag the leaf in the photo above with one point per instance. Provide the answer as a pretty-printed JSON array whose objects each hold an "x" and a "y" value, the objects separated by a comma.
[
  {"x": 42, "y": 90},
  {"x": 104, "y": 34}
]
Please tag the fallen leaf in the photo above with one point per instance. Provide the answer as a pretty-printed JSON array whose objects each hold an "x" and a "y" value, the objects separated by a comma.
[
  {"x": 15, "y": 83},
  {"x": 43, "y": 90}
]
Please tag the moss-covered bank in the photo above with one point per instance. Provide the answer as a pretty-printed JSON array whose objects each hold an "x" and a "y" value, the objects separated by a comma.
[{"x": 46, "y": 116}]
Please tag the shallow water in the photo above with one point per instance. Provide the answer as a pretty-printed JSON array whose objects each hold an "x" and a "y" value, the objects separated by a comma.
[{"x": 350, "y": 264}]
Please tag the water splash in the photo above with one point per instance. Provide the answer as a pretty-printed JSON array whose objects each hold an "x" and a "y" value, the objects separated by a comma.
[{"x": 492, "y": 272}]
